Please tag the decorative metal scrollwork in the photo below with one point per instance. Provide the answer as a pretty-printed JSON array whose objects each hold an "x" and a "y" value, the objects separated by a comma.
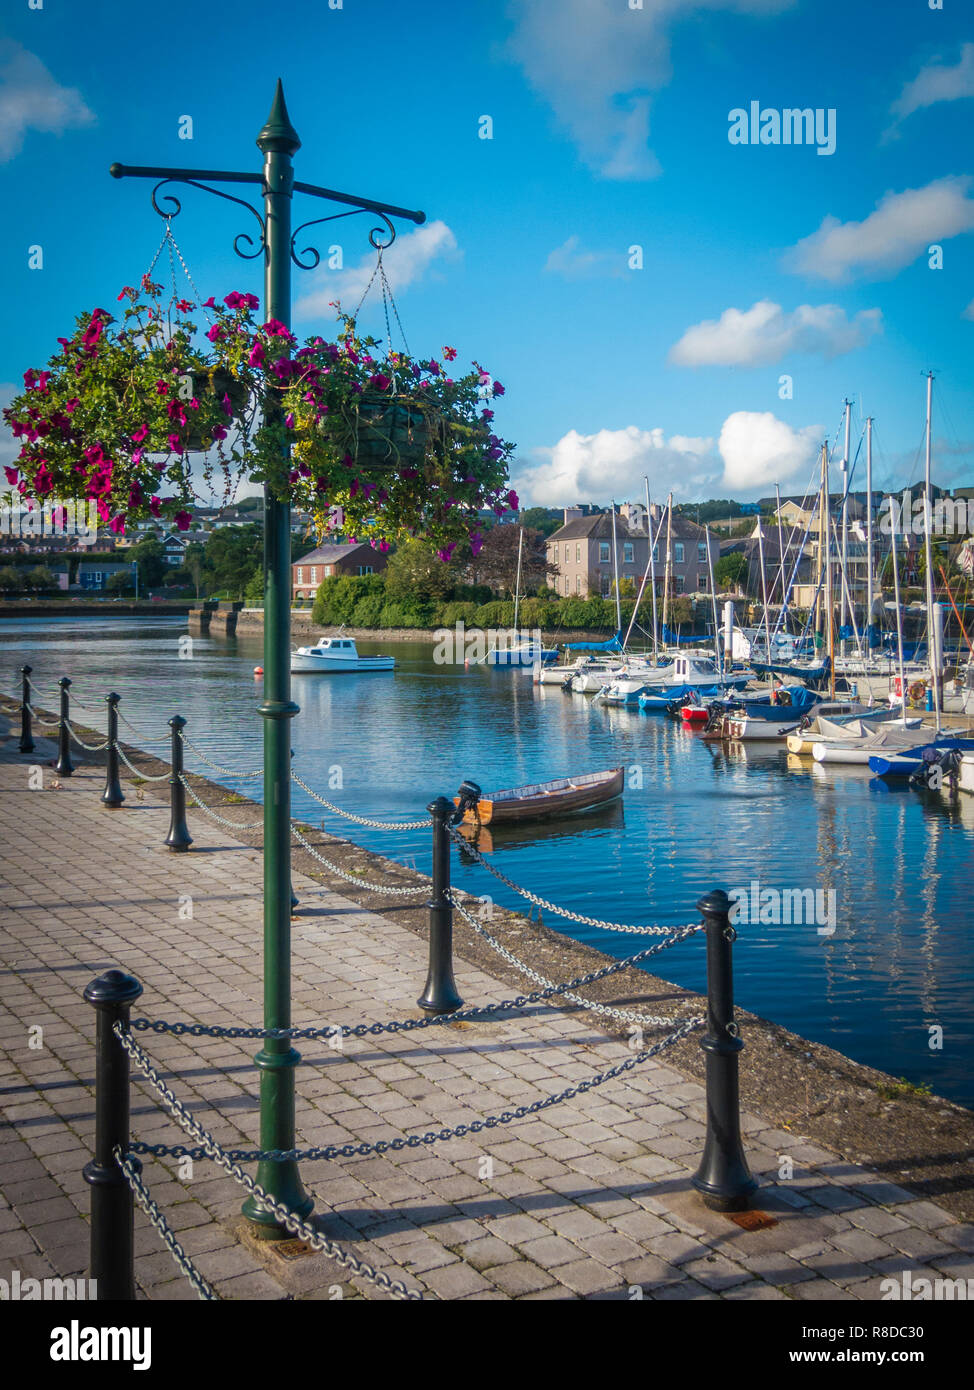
[
  {"x": 241, "y": 236},
  {"x": 376, "y": 236}
]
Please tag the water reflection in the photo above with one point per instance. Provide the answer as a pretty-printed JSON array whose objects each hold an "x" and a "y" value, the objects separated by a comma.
[{"x": 695, "y": 815}]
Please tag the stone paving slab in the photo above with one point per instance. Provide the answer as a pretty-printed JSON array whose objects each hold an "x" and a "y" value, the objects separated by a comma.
[{"x": 591, "y": 1199}]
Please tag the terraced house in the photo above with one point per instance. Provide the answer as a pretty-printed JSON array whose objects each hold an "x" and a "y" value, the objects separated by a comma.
[
  {"x": 581, "y": 551},
  {"x": 308, "y": 572}
]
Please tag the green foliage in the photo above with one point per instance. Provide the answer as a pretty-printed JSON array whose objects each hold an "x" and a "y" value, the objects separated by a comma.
[
  {"x": 40, "y": 577},
  {"x": 731, "y": 570},
  {"x": 254, "y": 592},
  {"x": 150, "y": 555},
  {"x": 232, "y": 555},
  {"x": 11, "y": 580},
  {"x": 121, "y": 582},
  {"x": 416, "y": 570}
]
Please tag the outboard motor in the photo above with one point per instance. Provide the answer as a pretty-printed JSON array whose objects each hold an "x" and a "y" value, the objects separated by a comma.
[{"x": 469, "y": 795}]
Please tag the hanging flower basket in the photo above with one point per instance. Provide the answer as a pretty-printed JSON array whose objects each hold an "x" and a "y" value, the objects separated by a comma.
[
  {"x": 390, "y": 433},
  {"x": 229, "y": 393},
  {"x": 399, "y": 445}
]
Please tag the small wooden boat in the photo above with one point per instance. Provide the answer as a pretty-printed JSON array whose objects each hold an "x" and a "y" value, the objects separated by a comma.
[{"x": 539, "y": 799}]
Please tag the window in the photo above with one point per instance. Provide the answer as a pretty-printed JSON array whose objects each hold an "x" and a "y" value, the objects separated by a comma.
[
  {"x": 567, "y": 585},
  {"x": 701, "y": 583},
  {"x": 578, "y": 554},
  {"x": 603, "y": 552},
  {"x": 365, "y": 569},
  {"x": 680, "y": 584},
  {"x": 578, "y": 583},
  {"x": 678, "y": 553},
  {"x": 656, "y": 553},
  {"x": 328, "y": 569},
  {"x": 314, "y": 574},
  {"x": 628, "y": 558},
  {"x": 555, "y": 557},
  {"x": 300, "y": 579},
  {"x": 701, "y": 552},
  {"x": 605, "y": 586}
]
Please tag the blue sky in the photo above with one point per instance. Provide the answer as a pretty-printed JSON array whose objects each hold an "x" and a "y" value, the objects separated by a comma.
[{"x": 609, "y": 131}]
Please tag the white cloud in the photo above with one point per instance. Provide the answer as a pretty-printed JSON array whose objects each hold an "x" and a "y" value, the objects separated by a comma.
[
  {"x": 598, "y": 62},
  {"x": 969, "y": 311},
  {"x": 765, "y": 333},
  {"x": 574, "y": 262},
  {"x": 757, "y": 449},
  {"x": 937, "y": 82},
  {"x": 753, "y": 450},
  {"x": 408, "y": 259},
  {"x": 612, "y": 463},
  {"x": 31, "y": 99},
  {"x": 901, "y": 227}
]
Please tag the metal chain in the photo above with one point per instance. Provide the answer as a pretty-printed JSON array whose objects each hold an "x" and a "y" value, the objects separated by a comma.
[
  {"x": 145, "y": 776},
  {"x": 44, "y": 724},
  {"x": 290, "y": 1219},
  {"x": 466, "y": 846},
  {"x": 231, "y": 824},
  {"x": 153, "y": 742},
  {"x": 227, "y": 771},
  {"x": 380, "y": 1146},
  {"x": 605, "y": 1010},
  {"x": 151, "y": 1209},
  {"x": 350, "y": 878},
  {"x": 89, "y": 747},
  {"x": 408, "y": 1025},
  {"x": 362, "y": 820}
]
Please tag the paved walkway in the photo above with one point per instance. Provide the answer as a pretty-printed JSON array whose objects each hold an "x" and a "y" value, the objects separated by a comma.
[{"x": 590, "y": 1199}]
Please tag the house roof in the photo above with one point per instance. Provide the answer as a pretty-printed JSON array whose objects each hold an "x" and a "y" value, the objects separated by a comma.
[
  {"x": 599, "y": 527},
  {"x": 330, "y": 554}
]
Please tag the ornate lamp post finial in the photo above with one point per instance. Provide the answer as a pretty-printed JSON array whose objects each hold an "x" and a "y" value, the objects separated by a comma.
[{"x": 278, "y": 134}]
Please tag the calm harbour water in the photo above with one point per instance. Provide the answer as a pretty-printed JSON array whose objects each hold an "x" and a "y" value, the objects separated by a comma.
[{"x": 900, "y": 962}]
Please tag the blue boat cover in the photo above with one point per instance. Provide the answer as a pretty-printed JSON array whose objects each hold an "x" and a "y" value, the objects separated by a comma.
[{"x": 614, "y": 644}]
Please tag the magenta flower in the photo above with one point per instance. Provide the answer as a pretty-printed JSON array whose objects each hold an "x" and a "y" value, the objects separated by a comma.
[
  {"x": 380, "y": 381},
  {"x": 117, "y": 524},
  {"x": 184, "y": 306},
  {"x": 182, "y": 520},
  {"x": 289, "y": 420},
  {"x": 219, "y": 432},
  {"x": 72, "y": 405},
  {"x": 497, "y": 389},
  {"x": 174, "y": 443},
  {"x": 155, "y": 505},
  {"x": 256, "y": 357},
  {"x": 215, "y": 333},
  {"x": 210, "y": 303},
  {"x": 241, "y": 301},
  {"x": 512, "y": 501},
  {"x": 12, "y": 475},
  {"x": 140, "y": 434},
  {"x": 275, "y": 329}
]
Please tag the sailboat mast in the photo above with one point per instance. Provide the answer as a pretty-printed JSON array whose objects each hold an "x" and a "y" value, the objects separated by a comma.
[
  {"x": 899, "y": 615},
  {"x": 845, "y": 509},
  {"x": 615, "y": 570},
  {"x": 932, "y": 643},
  {"x": 819, "y": 605},
  {"x": 782, "y": 616},
  {"x": 713, "y": 600},
  {"x": 668, "y": 569},
  {"x": 829, "y": 614},
  {"x": 652, "y": 567},
  {"x": 869, "y": 530},
  {"x": 517, "y": 585},
  {"x": 764, "y": 590}
]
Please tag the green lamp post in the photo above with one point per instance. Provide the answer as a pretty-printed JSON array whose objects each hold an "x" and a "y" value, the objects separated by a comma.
[{"x": 277, "y": 1059}]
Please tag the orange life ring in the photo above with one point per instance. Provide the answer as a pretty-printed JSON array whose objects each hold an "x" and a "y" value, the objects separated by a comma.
[{"x": 918, "y": 690}]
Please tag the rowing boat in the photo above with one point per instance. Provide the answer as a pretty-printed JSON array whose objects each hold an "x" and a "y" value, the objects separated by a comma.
[{"x": 539, "y": 799}]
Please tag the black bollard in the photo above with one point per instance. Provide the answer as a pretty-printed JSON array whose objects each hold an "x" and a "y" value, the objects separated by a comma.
[
  {"x": 112, "y": 1205},
  {"x": 26, "y": 736},
  {"x": 179, "y": 838},
  {"x": 112, "y": 795},
  {"x": 440, "y": 995},
  {"x": 64, "y": 766},
  {"x": 723, "y": 1178}
]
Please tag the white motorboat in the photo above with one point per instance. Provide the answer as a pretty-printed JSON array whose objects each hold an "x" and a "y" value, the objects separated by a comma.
[
  {"x": 858, "y": 749},
  {"x": 696, "y": 671},
  {"x": 337, "y": 654}
]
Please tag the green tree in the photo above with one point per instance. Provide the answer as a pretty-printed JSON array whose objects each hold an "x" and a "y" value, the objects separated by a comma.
[
  {"x": 11, "y": 580},
  {"x": 150, "y": 555},
  {"x": 232, "y": 555},
  {"x": 731, "y": 570},
  {"x": 416, "y": 571},
  {"x": 543, "y": 519},
  {"x": 119, "y": 583},
  {"x": 40, "y": 577},
  {"x": 194, "y": 565}
]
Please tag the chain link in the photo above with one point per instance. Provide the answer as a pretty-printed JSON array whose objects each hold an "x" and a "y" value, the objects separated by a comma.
[
  {"x": 145, "y": 776},
  {"x": 151, "y": 1209},
  {"x": 89, "y": 747},
  {"x": 361, "y": 820},
  {"x": 351, "y": 878},
  {"x": 152, "y": 742},
  {"x": 215, "y": 815},
  {"x": 43, "y": 723},
  {"x": 468, "y": 848},
  {"x": 379, "y": 1146},
  {"x": 605, "y": 1010},
  {"x": 410, "y": 1025},
  {"x": 227, "y": 771},
  {"x": 288, "y": 1218}
]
